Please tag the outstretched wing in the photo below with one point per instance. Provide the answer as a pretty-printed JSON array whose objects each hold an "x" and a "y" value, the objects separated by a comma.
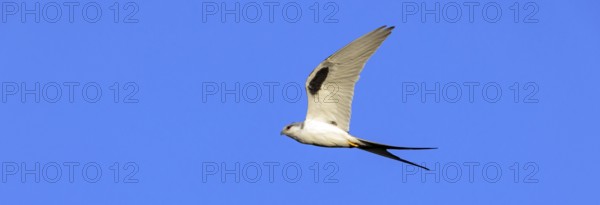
[{"x": 330, "y": 86}]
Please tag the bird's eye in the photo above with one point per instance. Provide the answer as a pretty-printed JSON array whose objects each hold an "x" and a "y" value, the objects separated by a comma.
[{"x": 288, "y": 127}]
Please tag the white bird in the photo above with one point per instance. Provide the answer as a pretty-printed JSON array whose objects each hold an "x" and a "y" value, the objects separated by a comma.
[{"x": 330, "y": 88}]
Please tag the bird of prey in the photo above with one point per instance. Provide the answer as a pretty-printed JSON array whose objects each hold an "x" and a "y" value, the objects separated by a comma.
[{"x": 330, "y": 88}]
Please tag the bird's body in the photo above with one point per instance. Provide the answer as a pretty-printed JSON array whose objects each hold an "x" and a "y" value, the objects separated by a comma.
[
  {"x": 323, "y": 134},
  {"x": 330, "y": 89}
]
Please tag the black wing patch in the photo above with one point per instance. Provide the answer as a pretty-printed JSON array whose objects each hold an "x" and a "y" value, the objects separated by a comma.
[{"x": 315, "y": 84}]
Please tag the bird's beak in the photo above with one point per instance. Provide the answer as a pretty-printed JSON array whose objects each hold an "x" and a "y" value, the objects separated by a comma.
[{"x": 281, "y": 133}]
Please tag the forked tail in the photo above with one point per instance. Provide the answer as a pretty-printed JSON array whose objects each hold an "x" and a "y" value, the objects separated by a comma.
[{"x": 381, "y": 149}]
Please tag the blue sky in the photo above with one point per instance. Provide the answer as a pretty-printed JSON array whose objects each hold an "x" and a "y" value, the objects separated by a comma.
[{"x": 181, "y": 102}]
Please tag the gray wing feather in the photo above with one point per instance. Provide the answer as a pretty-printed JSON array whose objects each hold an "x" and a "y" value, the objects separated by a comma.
[{"x": 331, "y": 101}]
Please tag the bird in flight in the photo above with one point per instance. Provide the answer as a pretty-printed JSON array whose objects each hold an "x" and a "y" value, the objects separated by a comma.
[{"x": 330, "y": 88}]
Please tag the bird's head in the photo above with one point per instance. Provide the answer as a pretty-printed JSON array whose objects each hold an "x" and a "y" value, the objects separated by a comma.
[{"x": 291, "y": 130}]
